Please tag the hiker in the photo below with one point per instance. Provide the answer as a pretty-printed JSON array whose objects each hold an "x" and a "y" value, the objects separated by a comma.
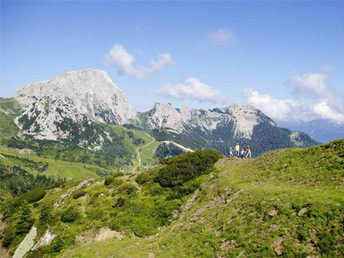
[
  {"x": 248, "y": 152},
  {"x": 242, "y": 153},
  {"x": 237, "y": 150},
  {"x": 230, "y": 152}
]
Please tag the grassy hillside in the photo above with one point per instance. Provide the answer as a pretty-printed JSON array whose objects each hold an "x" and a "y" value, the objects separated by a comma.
[
  {"x": 20, "y": 173},
  {"x": 288, "y": 202},
  {"x": 123, "y": 149},
  {"x": 136, "y": 205}
]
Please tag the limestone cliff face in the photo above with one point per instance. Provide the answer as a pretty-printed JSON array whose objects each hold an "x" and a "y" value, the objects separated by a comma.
[
  {"x": 76, "y": 96},
  {"x": 90, "y": 92},
  {"x": 244, "y": 119},
  {"x": 89, "y": 95}
]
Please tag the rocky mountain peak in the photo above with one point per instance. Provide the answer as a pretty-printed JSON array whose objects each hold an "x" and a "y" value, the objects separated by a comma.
[
  {"x": 165, "y": 116},
  {"x": 91, "y": 92}
]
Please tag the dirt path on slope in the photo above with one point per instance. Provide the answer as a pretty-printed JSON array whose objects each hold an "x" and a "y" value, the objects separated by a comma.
[
  {"x": 179, "y": 146},
  {"x": 138, "y": 152}
]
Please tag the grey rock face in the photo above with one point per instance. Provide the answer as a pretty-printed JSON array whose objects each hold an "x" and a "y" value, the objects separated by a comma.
[
  {"x": 76, "y": 95},
  {"x": 90, "y": 92},
  {"x": 165, "y": 116}
]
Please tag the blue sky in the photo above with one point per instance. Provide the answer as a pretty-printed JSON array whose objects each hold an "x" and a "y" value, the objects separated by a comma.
[{"x": 284, "y": 57}]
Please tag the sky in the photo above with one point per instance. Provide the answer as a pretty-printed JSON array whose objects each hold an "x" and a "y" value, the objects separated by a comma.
[{"x": 283, "y": 57}]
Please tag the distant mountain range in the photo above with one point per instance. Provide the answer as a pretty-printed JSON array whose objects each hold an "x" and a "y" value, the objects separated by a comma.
[
  {"x": 75, "y": 105},
  {"x": 322, "y": 130}
]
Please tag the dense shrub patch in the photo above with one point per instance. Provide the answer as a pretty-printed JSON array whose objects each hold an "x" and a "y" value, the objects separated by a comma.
[
  {"x": 186, "y": 167},
  {"x": 69, "y": 215},
  {"x": 78, "y": 194}
]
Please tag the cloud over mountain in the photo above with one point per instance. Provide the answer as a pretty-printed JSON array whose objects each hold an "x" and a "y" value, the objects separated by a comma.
[
  {"x": 123, "y": 61},
  {"x": 309, "y": 83},
  {"x": 320, "y": 101},
  {"x": 278, "y": 109},
  {"x": 192, "y": 88}
]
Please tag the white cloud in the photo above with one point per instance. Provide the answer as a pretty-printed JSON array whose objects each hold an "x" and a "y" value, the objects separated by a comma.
[
  {"x": 277, "y": 109},
  {"x": 325, "y": 110},
  {"x": 325, "y": 103},
  {"x": 309, "y": 83},
  {"x": 329, "y": 102},
  {"x": 219, "y": 37},
  {"x": 222, "y": 37},
  {"x": 124, "y": 62},
  {"x": 192, "y": 88}
]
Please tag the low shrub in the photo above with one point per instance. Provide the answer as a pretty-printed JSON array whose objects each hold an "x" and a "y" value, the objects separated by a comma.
[
  {"x": 34, "y": 195},
  {"x": 142, "y": 178},
  {"x": 118, "y": 174},
  {"x": 45, "y": 215},
  {"x": 127, "y": 189},
  {"x": 69, "y": 215},
  {"x": 29, "y": 197},
  {"x": 10, "y": 235},
  {"x": 108, "y": 181},
  {"x": 78, "y": 194},
  {"x": 186, "y": 167}
]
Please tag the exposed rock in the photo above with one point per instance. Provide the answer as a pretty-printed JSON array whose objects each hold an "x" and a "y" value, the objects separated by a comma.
[
  {"x": 27, "y": 243},
  {"x": 302, "y": 211},
  {"x": 75, "y": 188},
  {"x": 24, "y": 151},
  {"x": 76, "y": 94},
  {"x": 165, "y": 116},
  {"x": 103, "y": 234},
  {"x": 76, "y": 100},
  {"x": 313, "y": 234},
  {"x": 107, "y": 233},
  {"x": 228, "y": 244},
  {"x": 273, "y": 227},
  {"x": 273, "y": 213},
  {"x": 278, "y": 246},
  {"x": 45, "y": 240}
]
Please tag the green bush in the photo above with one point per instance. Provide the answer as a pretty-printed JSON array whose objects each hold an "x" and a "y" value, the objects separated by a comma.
[
  {"x": 186, "y": 167},
  {"x": 10, "y": 235},
  {"x": 34, "y": 195},
  {"x": 78, "y": 194},
  {"x": 108, "y": 181},
  {"x": 142, "y": 178},
  {"x": 118, "y": 174},
  {"x": 167, "y": 150},
  {"x": 127, "y": 189},
  {"x": 25, "y": 221},
  {"x": 69, "y": 215},
  {"x": 95, "y": 214},
  {"x": 57, "y": 245},
  {"x": 120, "y": 223},
  {"x": 45, "y": 215}
]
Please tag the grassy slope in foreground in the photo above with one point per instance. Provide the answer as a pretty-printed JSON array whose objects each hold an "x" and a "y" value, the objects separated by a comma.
[
  {"x": 288, "y": 201},
  {"x": 134, "y": 206}
]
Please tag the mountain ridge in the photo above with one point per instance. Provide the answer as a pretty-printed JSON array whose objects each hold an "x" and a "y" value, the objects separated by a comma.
[{"x": 70, "y": 105}]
